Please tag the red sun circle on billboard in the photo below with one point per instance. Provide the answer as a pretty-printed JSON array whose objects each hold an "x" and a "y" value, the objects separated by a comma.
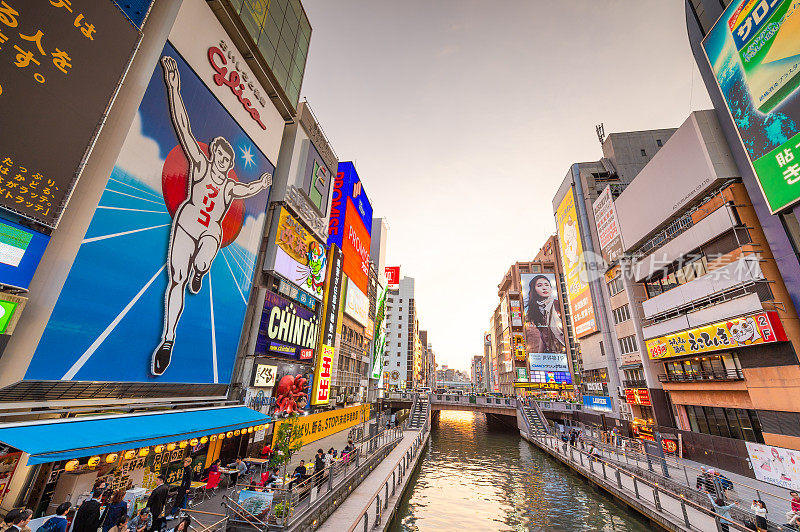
[{"x": 175, "y": 183}]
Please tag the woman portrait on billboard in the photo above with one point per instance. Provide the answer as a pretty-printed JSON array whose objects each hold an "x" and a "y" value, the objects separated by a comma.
[{"x": 544, "y": 317}]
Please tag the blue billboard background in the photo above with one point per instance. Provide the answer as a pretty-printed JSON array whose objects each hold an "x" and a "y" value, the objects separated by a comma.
[
  {"x": 597, "y": 402},
  {"x": 347, "y": 185},
  {"x": 109, "y": 317}
]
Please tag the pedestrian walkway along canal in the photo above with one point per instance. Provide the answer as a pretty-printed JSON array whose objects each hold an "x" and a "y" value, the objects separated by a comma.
[{"x": 479, "y": 476}]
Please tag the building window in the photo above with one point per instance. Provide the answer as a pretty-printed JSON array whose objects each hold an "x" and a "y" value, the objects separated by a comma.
[
  {"x": 621, "y": 314},
  {"x": 659, "y": 143},
  {"x": 615, "y": 286},
  {"x": 627, "y": 344},
  {"x": 644, "y": 153},
  {"x": 736, "y": 423}
]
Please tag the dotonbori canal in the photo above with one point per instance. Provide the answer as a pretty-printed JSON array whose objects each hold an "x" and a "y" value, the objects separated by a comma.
[{"x": 477, "y": 476}]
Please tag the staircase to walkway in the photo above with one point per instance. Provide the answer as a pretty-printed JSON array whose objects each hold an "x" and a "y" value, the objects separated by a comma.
[
  {"x": 534, "y": 417},
  {"x": 420, "y": 411}
]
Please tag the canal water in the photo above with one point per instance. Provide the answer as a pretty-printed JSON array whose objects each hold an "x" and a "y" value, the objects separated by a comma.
[{"x": 479, "y": 477}]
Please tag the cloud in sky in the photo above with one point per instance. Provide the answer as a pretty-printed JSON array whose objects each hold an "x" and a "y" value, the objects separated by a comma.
[
  {"x": 463, "y": 156},
  {"x": 141, "y": 157}
]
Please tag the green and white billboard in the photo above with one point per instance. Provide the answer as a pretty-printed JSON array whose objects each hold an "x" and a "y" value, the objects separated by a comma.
[
  {"x": 754, "y": 51},
  {"x": 379, "y": 345}
]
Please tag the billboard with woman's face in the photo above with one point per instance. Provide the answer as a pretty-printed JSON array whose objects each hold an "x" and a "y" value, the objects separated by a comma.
[{"x": 544, "y": 331}]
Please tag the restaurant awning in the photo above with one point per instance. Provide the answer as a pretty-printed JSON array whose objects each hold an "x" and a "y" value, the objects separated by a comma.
[{"x": 62, "y": 439}]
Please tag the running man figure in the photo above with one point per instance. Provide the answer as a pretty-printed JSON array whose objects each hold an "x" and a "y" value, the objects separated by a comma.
[{"x": 196, "y": 233}]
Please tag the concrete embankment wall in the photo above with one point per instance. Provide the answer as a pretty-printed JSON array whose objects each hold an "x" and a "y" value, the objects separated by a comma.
[{"x": 663, "y": 509}]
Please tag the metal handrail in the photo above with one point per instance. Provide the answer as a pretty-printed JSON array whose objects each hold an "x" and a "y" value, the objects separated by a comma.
[
  {"x": 414, "y": 448},
  {"x": 391, "y": 436},
  {"x": 673, "y": 462},
  {"x": 654, "y": 485},
  {"x": 723, "y": 375}
]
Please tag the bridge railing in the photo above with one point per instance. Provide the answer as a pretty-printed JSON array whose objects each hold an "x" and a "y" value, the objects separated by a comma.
[{"x": 473, "y": 400}]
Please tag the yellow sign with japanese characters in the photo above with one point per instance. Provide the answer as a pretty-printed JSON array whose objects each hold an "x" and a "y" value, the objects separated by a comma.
[
  {"x": 762, "y": 328},
  {"x": 318, "y": 426}
]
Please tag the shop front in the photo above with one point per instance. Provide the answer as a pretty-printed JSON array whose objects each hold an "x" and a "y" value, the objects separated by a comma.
[{"x": 49, "y": 462}]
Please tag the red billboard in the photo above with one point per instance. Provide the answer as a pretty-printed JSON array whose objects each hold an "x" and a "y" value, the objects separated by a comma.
[
  {"x": 392, "y": 277},
  {"x": 355, "y": 248}
]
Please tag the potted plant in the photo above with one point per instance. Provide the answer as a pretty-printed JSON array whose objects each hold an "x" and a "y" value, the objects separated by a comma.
[{"x": 279, "y": 510}]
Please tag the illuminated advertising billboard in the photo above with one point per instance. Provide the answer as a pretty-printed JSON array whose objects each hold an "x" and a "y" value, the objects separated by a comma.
[
  {"x": 548, "y": 361},
  {"x": 356, "y": 304},
  {"x": 544, "y": 329},
  {"x": 299, "y": 256},
  {"x": 608, "y": 233},
  {"x": 355, "y": 248},
  {"x": 316, "y": 179},
  {"x": 598, "y": 402},
  {"x": 347, "y": 186},
  {"x": 164, "y": 272},
  {"x": 754, "y": 52},
  {"x": 331, "y": 307},
  {"x": 287, "y": 330},
  {"x": 392, "y": 274},
  {"x": 55, "y": 95},
  {"x": 554, "y": 378},
  {"x": 379, "y": 345},
  {"x": 515, "y": 307},
  {"x": 580, "y": 298},
  {"x": 20, "y": 252},
  {"x": 761, "y": 328}
]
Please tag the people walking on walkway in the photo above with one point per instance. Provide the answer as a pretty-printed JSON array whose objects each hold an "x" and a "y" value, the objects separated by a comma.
[
  {"x": 116, "y": 508},
  {"x": 87, "y": 518},
  {"x": 58, "y": 523},
  {"x": 181, "y": 501},
  {"x": 319, "y": 467},
  {"x": 759, "y": 510},
  {"x": 157, "y": 503},
  {"x": 723, "y": 510},
  {"x": 793, "y": 514}
]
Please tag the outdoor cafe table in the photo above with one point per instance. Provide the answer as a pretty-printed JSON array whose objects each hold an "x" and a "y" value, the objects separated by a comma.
[{"x": 260, "y": 462}]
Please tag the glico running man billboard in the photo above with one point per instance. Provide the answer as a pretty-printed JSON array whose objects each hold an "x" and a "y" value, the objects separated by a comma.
[
  {"x": 580, "y": 298},
  {"x": 754, "y": 51},
  {"x": 159, "y": 288}
]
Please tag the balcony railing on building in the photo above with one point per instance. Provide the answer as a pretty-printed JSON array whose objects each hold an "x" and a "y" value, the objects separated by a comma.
[
  {"x": 634, "y": 383},
  {"x": 718, "y": 375}
]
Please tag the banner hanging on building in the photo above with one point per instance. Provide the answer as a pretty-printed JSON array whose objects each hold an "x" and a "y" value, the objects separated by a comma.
[
  {"x": 580, "y": 298},
  {"x": 53, "y": 95},
  {"x": 754, "y": 51},
  {"x": 775, "y": 465}
]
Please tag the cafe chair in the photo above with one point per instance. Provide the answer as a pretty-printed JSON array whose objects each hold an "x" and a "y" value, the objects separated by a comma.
[{"x": 211, "y": 484}]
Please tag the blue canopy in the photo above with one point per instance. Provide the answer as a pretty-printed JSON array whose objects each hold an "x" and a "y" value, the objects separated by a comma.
[{"x": 62, "y": 439}]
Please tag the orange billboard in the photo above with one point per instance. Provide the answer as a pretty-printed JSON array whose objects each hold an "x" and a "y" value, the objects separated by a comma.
[{"x": 355, "y": 248}]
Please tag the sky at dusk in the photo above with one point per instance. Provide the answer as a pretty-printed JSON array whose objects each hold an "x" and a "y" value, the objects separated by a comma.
[{"x": 463, "y": 116}]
